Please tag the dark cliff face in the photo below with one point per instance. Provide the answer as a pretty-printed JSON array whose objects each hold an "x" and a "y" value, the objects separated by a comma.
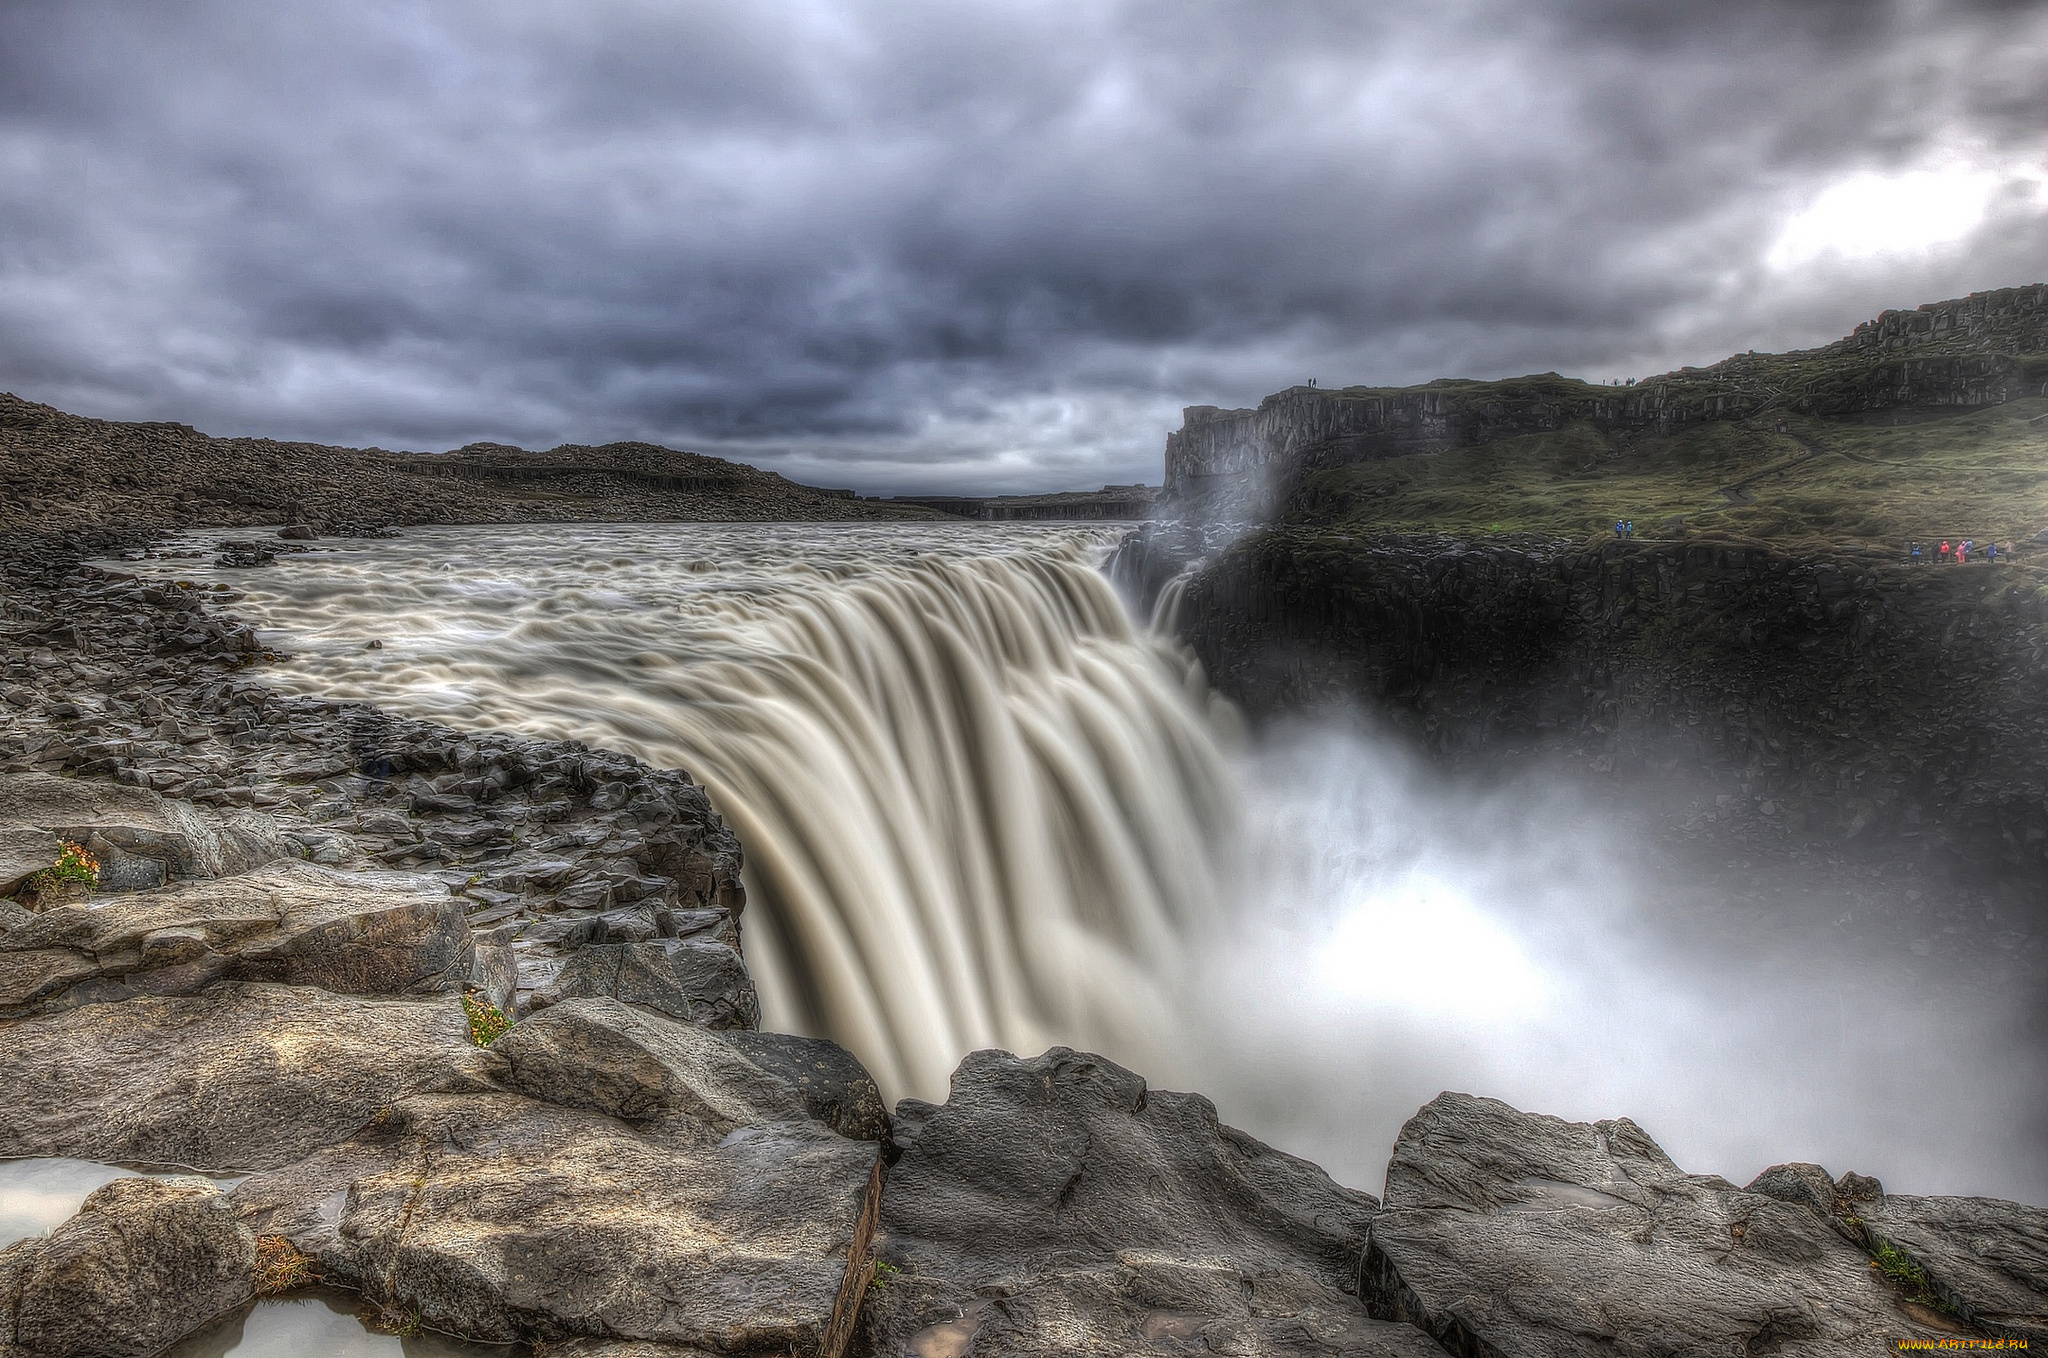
[
  {"x": 1981, "y": 350},
  {"x": 1853, "y": 693}
]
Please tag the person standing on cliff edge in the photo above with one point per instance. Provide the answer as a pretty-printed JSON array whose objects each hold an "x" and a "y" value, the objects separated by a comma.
[{"x": 1944, "y": 551}]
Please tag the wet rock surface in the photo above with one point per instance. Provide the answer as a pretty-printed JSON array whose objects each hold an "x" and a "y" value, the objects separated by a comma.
[{"x": 1058, "y": 1206}]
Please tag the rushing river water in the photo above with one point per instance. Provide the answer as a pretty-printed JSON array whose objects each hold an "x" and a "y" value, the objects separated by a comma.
[{"x": 982, "y": 807}]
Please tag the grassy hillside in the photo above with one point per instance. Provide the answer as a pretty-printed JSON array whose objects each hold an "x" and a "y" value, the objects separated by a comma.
[{"x": 1823, "y": 482}]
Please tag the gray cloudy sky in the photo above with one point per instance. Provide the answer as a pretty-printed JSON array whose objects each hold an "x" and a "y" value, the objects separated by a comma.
[{"x": 950, "y": 244}]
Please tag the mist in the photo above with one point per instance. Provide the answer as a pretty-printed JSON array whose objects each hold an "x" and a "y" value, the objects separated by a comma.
[{"x": 1398, "y": 933}]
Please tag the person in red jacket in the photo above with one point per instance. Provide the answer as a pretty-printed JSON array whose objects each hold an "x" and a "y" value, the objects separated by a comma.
[{"x": 1944, "y": 551}]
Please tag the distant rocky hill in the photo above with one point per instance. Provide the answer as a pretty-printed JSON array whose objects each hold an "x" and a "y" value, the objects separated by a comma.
[
  {"x": 1981, "y": 350},
  {"x": 59, "y": 470}
]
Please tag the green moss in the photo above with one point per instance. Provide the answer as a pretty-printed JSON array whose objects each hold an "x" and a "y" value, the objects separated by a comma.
[
  {"x": 487, "y": 1022},
  {"x": 1841, "y": 482},
  {"x": 1911, "y": 1280}
]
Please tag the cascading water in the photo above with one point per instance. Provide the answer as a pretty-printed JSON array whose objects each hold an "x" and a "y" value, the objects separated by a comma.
[{"x": 979, "y": 807}]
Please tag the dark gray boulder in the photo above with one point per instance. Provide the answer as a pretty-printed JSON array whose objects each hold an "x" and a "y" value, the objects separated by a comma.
[
  {"x": 1511, "y": 1234},
  {"x": 1057, "y": 1206},
  {"x": 691, "y": 978},
  {"x": 645, "y": 1067},
  {"x": 143, "y": 1263}
]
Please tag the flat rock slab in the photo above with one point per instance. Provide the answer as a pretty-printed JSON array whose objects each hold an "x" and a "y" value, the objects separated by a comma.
[
  {"x": 120, "y": 822},
  {"x": 648, "y": 1183},
  {"x": 1059, "y": 1207},
  {"x": 143, "y": 1263},
  {"x": 290, "y": 922},
  {"x": 1512, "y": 1234},
  {"x": 243, "y": 1076},
  {"x": 691, "y": 978},
  {"x": 1988, "y": 1255}
]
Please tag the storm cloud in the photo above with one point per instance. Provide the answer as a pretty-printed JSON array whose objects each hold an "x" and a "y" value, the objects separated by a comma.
[{"x": 935, "y": 245}]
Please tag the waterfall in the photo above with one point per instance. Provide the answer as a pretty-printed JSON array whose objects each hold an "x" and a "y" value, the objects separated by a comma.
[
  {"x": 979, "y": 806},
  {"x": 978, "y": 809}
]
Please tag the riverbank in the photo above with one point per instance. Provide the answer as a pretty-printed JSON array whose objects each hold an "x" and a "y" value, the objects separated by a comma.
[{"x": 309, "y": 888}]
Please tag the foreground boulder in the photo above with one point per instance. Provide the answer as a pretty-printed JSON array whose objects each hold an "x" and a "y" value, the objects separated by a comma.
[
  {"x": 243, "y": 1076},
  {"x": 291, "y": 922},
  {"x": 143, "y": 1263},
  {"x": 1509, "y": 1233},
  {"x": 695, "y": 979},
  {"x": 140, "y": 838},
  {"x": 1058, "y": 1206},
  {"x": 645, "y": 1183}
]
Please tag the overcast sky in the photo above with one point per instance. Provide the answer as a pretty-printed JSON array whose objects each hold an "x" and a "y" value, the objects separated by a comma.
[{"x": 960, "y": 245}]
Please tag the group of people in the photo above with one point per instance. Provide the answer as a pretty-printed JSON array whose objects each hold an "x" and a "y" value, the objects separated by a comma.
[
  {"x": 1624, "y": 528},
  {"x": 1958, "y": 552}
]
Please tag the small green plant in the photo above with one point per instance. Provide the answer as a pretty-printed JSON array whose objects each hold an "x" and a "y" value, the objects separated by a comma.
[
  {"x": 487, "y": 1022},
  {"x": 1898, "y": 1268},
  {"x": 884, "y": 1274},
  {"x": 74, "y": 864}
]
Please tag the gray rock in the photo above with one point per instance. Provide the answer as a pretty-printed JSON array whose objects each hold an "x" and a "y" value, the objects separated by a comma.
[
  {"x": 1988, "y": 1258},
  {"x": 138, "y": 822},
  {"x": 832, "y": 1082},
  {"x": 500, "y": 1217},
  {"x": 351, "y": 933},
  {"x": 617, "y": 1348},
  {"x": 495, "y": 971},
  {"x": 144, "y": 1263},
  {"x": 1509, "y": 1233},
  {"x": 690, "y": 978},
  {"x": 1807, "y": 1185},
  {"x": 239, "y": 1077},
  {"x": 641, "y": 1066},
  {"x": 25, "y": 851},
  {"x": 1058, "y": 1206}
]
